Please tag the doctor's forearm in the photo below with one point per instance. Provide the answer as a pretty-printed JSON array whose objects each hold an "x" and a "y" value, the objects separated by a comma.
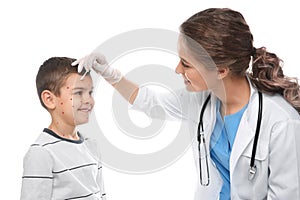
[{"x": 127, "y": 89}]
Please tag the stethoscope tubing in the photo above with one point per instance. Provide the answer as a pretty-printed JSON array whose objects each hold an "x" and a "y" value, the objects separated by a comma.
[{"x": 201, "y": 141}]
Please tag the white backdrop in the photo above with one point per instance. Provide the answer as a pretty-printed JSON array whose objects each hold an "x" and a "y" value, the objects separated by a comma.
[{"x": 32, "y": 31}]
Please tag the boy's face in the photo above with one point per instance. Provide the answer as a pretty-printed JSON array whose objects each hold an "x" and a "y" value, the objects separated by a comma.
[{"x": 75, "y": 102}]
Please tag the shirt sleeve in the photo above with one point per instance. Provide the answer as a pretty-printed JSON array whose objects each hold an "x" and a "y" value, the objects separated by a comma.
[
  {"x": 284, "y": 163},
  {"x": 37, "y": 174},
  {"x": 167, "y": 105}
]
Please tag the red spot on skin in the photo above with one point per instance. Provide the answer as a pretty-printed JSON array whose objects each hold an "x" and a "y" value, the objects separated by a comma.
[
  {"x": 63, "y": 113},
  {"x": 68, "y": 87},
  {"x": 61, "y": 103},
  {"x": 71, "y": 99}
]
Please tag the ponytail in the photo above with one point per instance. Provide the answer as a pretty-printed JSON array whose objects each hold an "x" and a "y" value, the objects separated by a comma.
[{"x": 267, "y": 76}]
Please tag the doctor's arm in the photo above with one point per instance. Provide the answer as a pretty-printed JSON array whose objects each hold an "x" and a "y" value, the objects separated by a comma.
[
  {"x": 141, "y": 98},
  {"x": 98, "y": 63},
  {"x": 284, "y": 163},
  {"x": 127, "y": 89}
]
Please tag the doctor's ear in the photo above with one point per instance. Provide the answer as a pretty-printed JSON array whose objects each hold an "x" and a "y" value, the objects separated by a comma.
[
  {"x": 222, "y": 72},
  {"x": 49, "y": 99}
]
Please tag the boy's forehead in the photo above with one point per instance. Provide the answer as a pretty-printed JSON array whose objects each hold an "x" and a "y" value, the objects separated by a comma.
[{"x": 73, "y": 81}]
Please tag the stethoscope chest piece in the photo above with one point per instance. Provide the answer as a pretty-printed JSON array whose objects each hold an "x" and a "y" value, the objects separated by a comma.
[{"x": 252, "y": 172}]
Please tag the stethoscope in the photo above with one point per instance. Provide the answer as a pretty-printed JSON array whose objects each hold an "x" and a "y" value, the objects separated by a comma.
[{"x": 203, "y": 160}]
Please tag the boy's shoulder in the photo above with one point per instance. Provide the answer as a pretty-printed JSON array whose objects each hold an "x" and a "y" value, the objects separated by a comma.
[
  {"x": 49, "y": 143},
  {"x": 44, "y": 139}
]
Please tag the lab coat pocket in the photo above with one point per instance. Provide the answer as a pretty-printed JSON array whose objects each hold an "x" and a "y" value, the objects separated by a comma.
[
  {"x": 260, "y": 160},
  {"x": 254, "y": 186},
  {"x": 261, "y": 150}
]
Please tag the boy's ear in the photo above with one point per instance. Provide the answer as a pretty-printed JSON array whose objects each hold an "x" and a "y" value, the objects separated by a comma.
[{"x": 49, "y": 99}]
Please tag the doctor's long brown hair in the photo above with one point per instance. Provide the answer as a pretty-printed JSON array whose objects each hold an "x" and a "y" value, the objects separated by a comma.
[{"x": 226, "y": 37}]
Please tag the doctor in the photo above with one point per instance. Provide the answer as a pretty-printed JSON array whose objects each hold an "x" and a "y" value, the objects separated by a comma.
[{"x": 249, "y": 146}]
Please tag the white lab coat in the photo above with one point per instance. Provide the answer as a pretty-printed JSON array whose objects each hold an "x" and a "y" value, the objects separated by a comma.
[{"x": 278, "y": 151}]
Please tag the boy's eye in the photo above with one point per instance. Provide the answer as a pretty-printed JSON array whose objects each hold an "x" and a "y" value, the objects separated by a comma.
[
  {"x": 78, "y": 93},
  {"x": 91, "y": 92}
]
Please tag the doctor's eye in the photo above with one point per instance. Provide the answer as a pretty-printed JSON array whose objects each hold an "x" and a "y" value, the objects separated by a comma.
[{"x": 184, "y": 64}]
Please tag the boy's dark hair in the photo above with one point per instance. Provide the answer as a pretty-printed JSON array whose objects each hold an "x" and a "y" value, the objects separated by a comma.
[{"x": 52, "y": 75}]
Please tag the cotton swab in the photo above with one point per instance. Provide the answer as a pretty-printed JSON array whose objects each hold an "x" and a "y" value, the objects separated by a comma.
[{"x": 84, "y": 75}]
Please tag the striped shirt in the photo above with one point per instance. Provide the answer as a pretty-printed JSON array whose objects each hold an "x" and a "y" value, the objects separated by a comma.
[{"x": 57, "y": 168}]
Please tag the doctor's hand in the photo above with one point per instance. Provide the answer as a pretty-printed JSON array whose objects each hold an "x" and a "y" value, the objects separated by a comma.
[{"x": 98, "y": 63}]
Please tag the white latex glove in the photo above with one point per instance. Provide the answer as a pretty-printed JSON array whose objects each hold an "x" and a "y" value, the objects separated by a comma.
[{"x": 98, "y": 63}]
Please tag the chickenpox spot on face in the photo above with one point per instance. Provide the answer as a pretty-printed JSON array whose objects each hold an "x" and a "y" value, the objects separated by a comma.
[
  {"x": 61, "y": 103},
  {"x": 68, "y": 87},
  {"x": 71, "y": 99},
  {"x": 63, "y": 113}
]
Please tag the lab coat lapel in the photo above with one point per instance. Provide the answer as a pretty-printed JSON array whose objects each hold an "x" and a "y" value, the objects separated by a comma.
[
  {"x": 243, "y": 137},
  {"x": 213, "y": 190},
  {"x": 246, "y": 130}
]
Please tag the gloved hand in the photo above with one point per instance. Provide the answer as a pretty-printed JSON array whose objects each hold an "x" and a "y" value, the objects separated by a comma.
[{"x": 98, "y": 63}]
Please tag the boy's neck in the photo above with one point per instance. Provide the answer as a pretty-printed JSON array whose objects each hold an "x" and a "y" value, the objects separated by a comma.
[{"x": 65, "y": 131}]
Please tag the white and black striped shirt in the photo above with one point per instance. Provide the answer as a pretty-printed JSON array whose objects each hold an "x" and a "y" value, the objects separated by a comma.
[{"x": 57, "y": 168}]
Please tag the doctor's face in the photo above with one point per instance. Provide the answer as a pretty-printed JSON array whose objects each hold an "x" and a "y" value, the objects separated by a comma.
[{"x": 196, "y": 76}]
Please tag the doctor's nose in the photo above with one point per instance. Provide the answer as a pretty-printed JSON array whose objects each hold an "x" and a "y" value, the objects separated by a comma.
[{"x": 179, "y": 69}]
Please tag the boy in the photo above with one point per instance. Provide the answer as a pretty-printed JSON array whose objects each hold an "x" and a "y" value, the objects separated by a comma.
[{"x": 62, "y": 164}]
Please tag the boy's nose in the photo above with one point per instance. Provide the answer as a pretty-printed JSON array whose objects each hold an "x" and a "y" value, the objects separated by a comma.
[{"x": 88, "y": 99}]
